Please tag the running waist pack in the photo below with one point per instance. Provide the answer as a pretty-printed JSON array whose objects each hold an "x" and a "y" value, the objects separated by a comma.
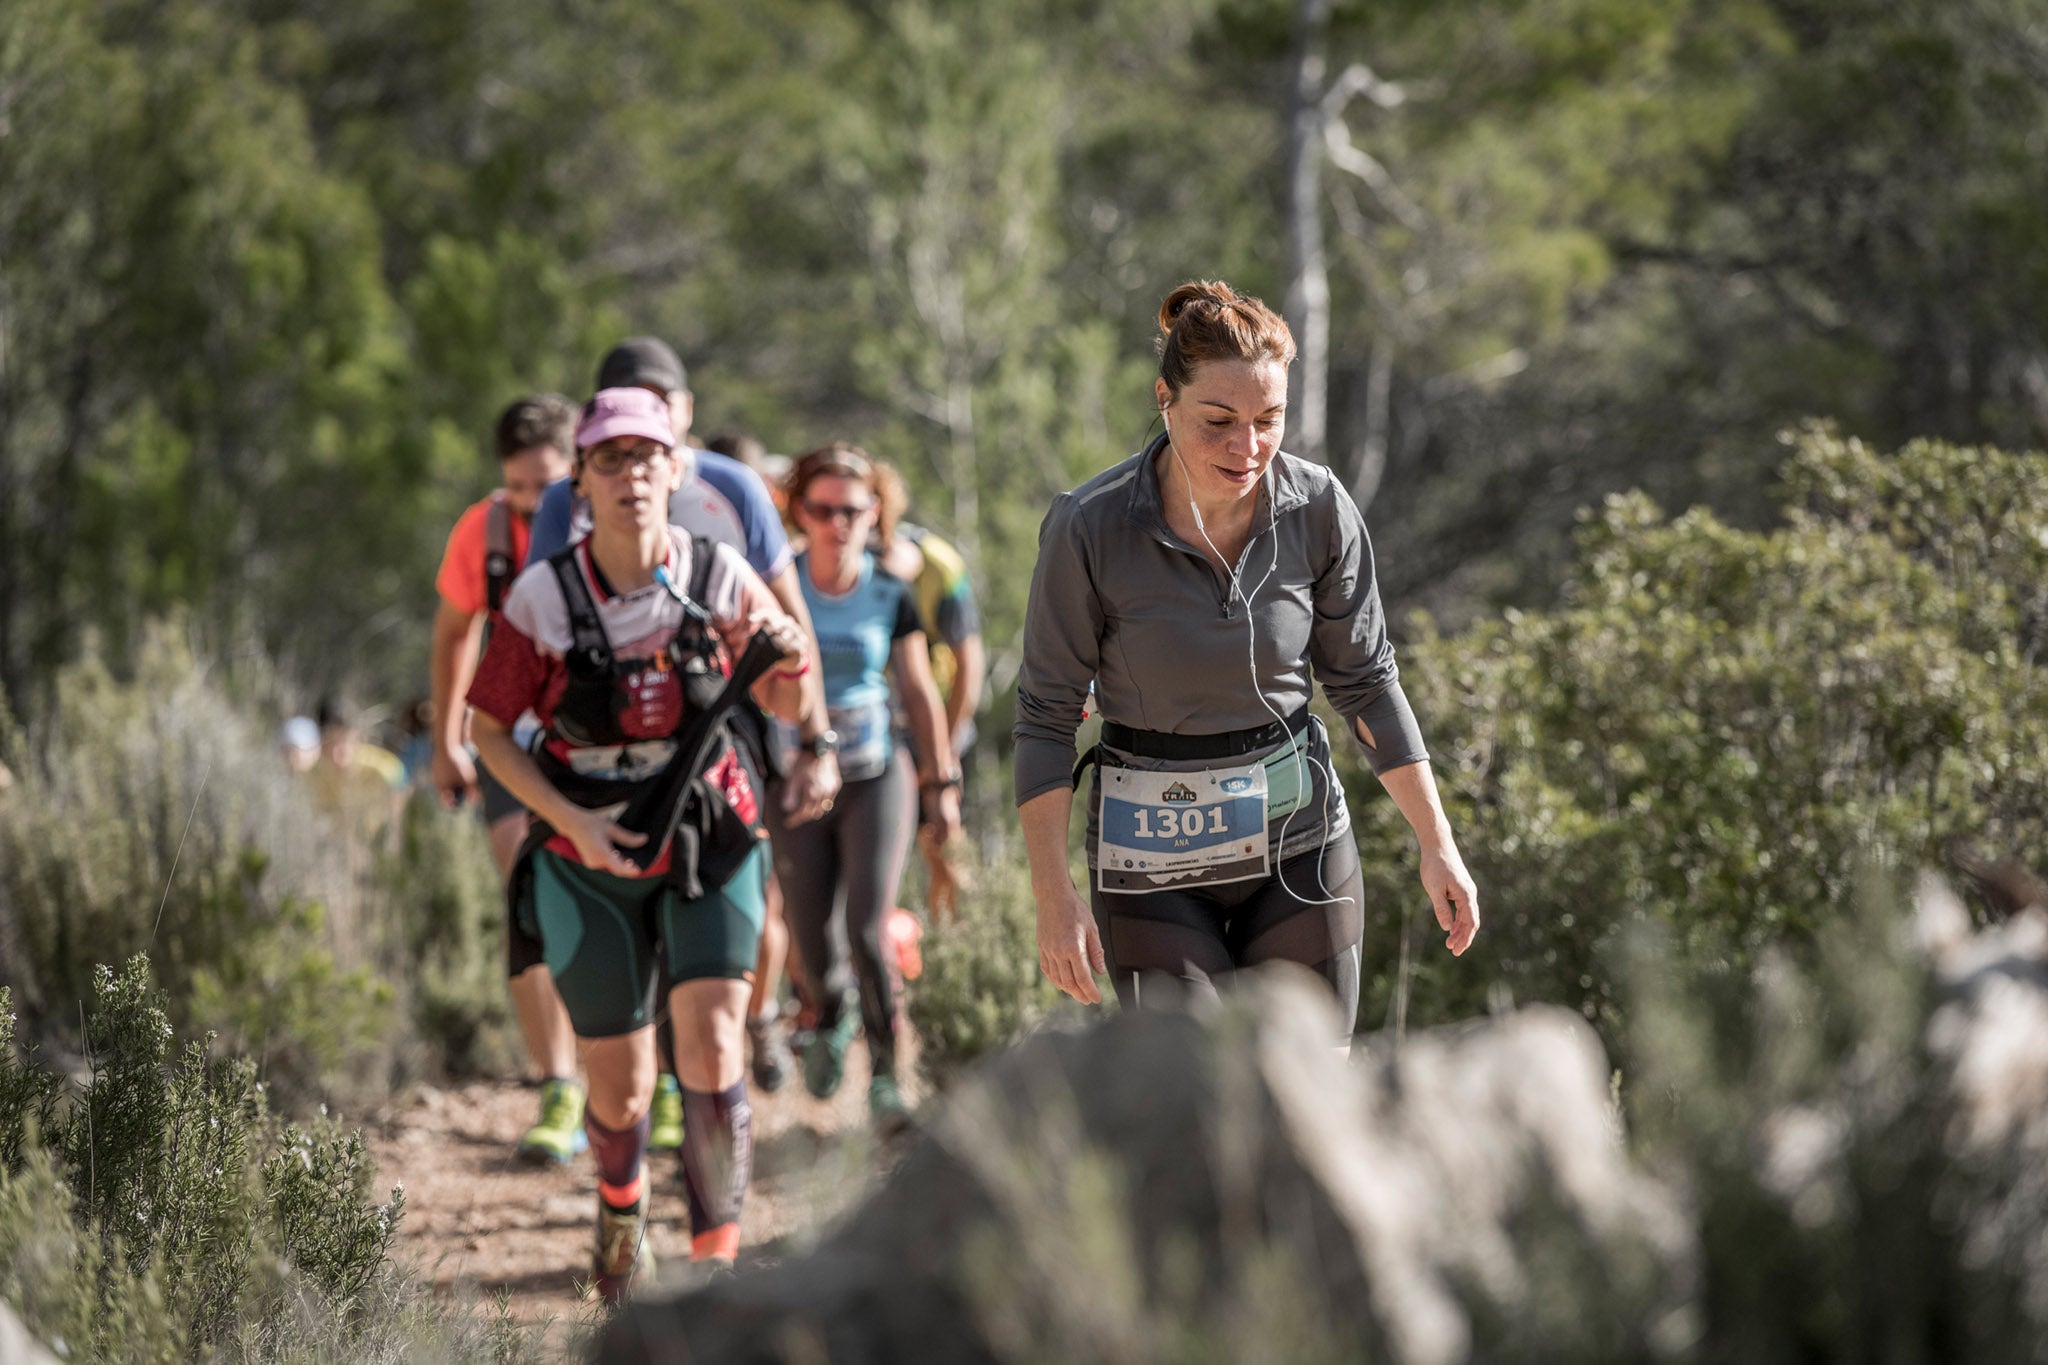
[{"x": 1191, "y": 748}]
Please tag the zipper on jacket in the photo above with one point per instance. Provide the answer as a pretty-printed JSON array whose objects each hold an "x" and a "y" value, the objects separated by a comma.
[{"x": 1224, "y": 609}]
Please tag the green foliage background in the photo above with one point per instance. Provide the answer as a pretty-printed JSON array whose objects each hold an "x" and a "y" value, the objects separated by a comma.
[
  {"x": 1720, "y": 731},
  {"x": 267, "y": 271}
]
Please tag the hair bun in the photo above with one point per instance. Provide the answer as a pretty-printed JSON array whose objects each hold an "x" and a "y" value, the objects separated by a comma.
[
  {"x": 1204, "y": 320},
  {"x": 1213, "y": 292}
]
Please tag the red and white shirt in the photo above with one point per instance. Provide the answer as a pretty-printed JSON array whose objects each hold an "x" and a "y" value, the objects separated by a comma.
[{"x": 524, "y": 666}]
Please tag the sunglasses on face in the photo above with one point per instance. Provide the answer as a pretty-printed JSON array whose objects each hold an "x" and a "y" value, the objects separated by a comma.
[
  {"x": 837, "y": 511},
  {"x": 609, "y": 460}
]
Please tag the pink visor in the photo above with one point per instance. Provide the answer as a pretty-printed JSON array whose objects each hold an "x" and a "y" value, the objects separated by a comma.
[{"x": 624, "y": 412}]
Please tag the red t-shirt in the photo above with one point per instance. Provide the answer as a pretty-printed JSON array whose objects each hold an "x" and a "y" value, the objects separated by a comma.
[{"x": 461, "y": 581}]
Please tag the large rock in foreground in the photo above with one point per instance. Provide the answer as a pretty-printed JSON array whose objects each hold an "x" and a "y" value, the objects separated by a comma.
[
  {"x": 1165, "y": 1186},
  {"x": 17, "y": 1346}
]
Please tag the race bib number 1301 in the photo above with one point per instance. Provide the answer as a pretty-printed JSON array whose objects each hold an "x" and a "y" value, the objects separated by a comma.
[{"x": 1181, "y": 829}]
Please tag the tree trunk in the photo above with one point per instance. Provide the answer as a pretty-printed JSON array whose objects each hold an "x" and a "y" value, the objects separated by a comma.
[
  {"x": 965, "y": 474},
  {"x": 1371, "y": 464},
  {"x": 13, "y": 669},
  {"x": 1307, "y": 303}
]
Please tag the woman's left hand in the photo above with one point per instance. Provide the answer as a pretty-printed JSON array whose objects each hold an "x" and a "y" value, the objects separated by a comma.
[
  {"x": 941, "y": 806},
  {"x": 1452, "y": 896}
]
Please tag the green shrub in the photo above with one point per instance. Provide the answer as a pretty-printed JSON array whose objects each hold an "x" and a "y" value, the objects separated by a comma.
[
  {"x": 83, "y": 1300},
  {"x": 165, "y": 1212},
  {"x": 28, "y": 1096},
  {"x": 981, "y": 986},
  {"x": 317, "y": 1187},
  {"x": 443, "y": 935},
  {"x": 162, "y": 1143},
  {"x": 1719, "y": 724},
  {"x": 152, "y": 814},
  {"x": 275, "y": 991}
]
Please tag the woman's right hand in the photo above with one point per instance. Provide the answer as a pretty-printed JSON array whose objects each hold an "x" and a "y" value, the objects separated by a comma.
[
  {"x": 1069, "y": 949},
  {"x": 598, "y": 839},
  {"x": 454, "y": 773}
]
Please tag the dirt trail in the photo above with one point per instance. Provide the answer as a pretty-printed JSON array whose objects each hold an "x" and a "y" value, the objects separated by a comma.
[{"x": 479, "y": 1223}]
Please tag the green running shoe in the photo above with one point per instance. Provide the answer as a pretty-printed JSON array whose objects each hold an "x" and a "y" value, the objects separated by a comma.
[
  {"x": 825, "y": 1058},
  {"x": 665, "y": 1126},
  {"x": 886, "y": 1107},
  {"x": 558, "y": 1134},
  {"x": 623, "y": 1255}
]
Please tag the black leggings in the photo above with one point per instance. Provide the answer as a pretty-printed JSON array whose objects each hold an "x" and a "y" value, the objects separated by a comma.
[
  {"x": 846, "y": 866},
  {"x": 1200, "y": 935}
]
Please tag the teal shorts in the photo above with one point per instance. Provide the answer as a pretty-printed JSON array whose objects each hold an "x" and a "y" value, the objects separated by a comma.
[{"x": 615, "y": 944}]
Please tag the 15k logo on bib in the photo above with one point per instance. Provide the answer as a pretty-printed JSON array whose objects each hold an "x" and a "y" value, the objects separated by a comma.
[{"x": 1201, "y": 828}]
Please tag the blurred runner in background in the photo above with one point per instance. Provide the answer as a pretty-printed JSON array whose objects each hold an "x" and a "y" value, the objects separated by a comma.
[
  {"x": 535, "y": 442},
  {"x": 840, "y": 873},
  {"x": 356, "y": 781}
]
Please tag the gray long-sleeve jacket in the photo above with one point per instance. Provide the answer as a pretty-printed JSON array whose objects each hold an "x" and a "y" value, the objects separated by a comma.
[{"x": 1120, "y": 601}]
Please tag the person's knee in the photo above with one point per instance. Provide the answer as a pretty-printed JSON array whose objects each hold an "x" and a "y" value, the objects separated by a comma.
[
  {"x": 704, "y": 1024},
  {"x": 709, "y": 1020},
  {"x": 620, "y": 1073}
]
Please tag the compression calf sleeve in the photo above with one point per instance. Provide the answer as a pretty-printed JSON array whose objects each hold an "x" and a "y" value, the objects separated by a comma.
[
  {"x": 718, "y": 1160},
  {"x": 618, "y": 1153}
]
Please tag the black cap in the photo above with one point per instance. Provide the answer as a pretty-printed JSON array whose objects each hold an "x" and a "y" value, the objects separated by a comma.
[{"x": 641, "y": 362}]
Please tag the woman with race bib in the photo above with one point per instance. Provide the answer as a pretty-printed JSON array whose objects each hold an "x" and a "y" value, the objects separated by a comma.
[
  {"x": 1200, "y": 587},
  {"x": 845, "y": 865},
  {"x": 631, "y": 646}
]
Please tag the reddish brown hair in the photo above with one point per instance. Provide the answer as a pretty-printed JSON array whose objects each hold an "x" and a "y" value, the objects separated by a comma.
[
  {"x": 1208, "y": 320},
  {"x": 850, "y": 461}
]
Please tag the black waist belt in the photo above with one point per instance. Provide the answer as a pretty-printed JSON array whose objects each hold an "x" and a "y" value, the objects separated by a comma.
[{"x": 1194, "y": 748}]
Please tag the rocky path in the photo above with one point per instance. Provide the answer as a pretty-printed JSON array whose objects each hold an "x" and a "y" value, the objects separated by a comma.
[{"x": 480, "y": 1224}]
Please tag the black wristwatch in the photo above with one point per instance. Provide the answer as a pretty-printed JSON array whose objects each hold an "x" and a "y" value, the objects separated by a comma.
[{"x": 820, "y": 744}]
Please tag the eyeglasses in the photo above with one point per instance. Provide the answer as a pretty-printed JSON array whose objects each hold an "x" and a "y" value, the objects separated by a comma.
[
  {"x": 837, "y": 511},
  {"x": 609, "y": 459}
]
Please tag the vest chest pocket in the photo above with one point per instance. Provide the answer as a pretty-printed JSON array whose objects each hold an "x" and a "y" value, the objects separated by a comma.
[{"x": 1202, "y": 828}]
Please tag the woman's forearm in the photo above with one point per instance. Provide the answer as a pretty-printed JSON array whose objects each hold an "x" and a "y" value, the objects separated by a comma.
[
  {"x": 1413, "y": 789},
  {"x": 934, "y": 748},
  {"x": 810, "y": 719},
  {"x": 1045, "y": 819},
  {"x": 928, "y": 723},
  {"x": 451, "y": 667},
  {"x": 969, "y": 659}
]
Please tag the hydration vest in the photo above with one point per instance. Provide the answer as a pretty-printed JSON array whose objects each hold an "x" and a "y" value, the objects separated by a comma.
[
  {"x": 711, "y": 838},
  {"x": 588, "y": 713}
]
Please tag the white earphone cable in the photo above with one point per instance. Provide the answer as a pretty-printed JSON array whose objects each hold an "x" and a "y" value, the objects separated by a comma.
[{"x": 1297, "y": 744}]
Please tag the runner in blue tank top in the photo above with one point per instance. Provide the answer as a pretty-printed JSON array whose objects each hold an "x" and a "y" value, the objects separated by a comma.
[{"x": 849, "y": 860}]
